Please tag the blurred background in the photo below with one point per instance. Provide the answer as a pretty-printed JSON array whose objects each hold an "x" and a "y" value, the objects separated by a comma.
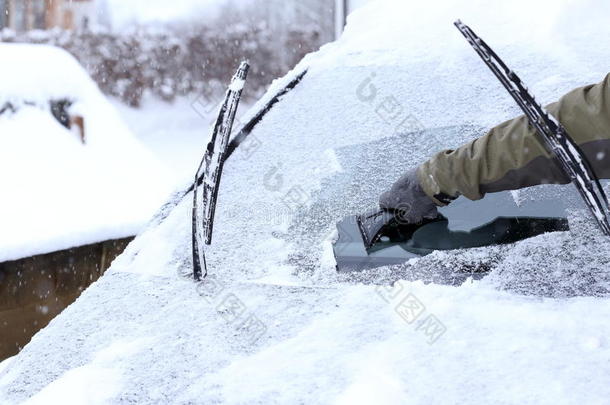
[{"x": 132, "y": 48}]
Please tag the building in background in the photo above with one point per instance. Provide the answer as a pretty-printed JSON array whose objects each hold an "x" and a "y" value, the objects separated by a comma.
[
  {"x": 326, "y": 17},
  {"x": 24, "y": 15},
  {"x": 306, "y": 14},
  {"x": 284, "y": 18},
  {"x": 3, "y": 13},
  {"x": 343, "y": 8}
]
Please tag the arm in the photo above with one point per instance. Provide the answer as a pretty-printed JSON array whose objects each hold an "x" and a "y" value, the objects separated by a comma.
[{"x": 510, "y": 156}]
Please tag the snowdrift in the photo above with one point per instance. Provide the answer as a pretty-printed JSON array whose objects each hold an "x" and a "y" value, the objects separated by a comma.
[
  {"x": 274, "y": 323},
  {"x": 57, "y": 191}
]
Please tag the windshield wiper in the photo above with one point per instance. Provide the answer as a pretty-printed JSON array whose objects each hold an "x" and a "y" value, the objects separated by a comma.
[
  {"x": 551, "y": 133},
  {"x": 209, "y": 172}
]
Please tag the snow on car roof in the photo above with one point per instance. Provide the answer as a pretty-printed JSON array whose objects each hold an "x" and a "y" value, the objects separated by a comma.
[
  {"x": 274, "y": 323},
  {"x": 57, "y": 192}
]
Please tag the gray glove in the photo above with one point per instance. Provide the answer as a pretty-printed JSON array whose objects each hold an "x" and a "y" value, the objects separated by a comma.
[{"x": 407, "y": 200}]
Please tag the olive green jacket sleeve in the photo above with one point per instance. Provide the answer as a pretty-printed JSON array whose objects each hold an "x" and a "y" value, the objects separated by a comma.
[{"x": 510, "y": 156}]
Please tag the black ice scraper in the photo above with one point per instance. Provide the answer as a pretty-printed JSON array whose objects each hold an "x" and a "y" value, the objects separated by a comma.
[{"x": 371, "y": 224}]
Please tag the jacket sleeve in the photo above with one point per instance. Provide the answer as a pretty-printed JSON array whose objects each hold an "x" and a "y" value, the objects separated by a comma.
[{"x": 510, "y": 156}]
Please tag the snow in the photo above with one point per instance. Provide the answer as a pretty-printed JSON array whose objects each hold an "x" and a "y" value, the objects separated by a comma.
[
  {"x": 95, "y": 386},
  {"x": 61, "y": 193},
  {"x": 37, "y": 84},
  {"x": 175, "y": 133},
  {"x": 5, "y": 363},
  {"x": 534, "y": 331},
  {"x": 237, "y": 85}
]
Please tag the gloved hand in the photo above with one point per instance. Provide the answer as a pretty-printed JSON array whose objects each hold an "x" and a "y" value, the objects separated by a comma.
[
  {"x": 404, "y": 204},
  {"x": 407, "y": 200}
]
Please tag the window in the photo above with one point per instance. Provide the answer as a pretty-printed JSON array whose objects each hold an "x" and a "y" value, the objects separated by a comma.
[
  {"x": 22, "y": 15},
  {"x": 3, "y": 14},
  {"x": 37, "y": 18},
  {"x": 18, "y": 15}
]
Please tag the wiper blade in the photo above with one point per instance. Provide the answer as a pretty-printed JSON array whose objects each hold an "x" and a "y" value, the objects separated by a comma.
[
  {"x": 551, "y": 133},
  {"x": 209, "y": 172}
]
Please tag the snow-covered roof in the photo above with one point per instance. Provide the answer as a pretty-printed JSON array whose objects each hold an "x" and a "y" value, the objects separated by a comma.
[
  {"x": 58, "y": 192},
  {"x": 274, "y": 322}
]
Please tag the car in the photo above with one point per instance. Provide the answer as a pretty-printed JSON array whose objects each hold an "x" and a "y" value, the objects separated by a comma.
[
  {"x": 76, "y": 185},
  {"x": 275, "y": 322}
]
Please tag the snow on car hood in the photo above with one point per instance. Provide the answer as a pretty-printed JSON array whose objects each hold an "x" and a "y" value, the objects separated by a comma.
[
  {"x": 57, "y": 192},
  {"x": 274, "y": 323}
]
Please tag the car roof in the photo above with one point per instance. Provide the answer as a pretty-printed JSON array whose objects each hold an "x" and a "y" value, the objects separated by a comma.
[{"x": 52, "y": 195}]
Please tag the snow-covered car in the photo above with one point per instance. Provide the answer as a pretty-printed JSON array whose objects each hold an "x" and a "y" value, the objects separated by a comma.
[
  {"x": 274, "y": 322},
  {"x": 73, "y": 173},
  {"x": 76, "y": 187}
]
